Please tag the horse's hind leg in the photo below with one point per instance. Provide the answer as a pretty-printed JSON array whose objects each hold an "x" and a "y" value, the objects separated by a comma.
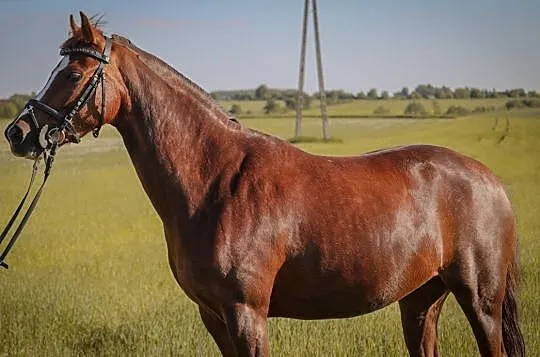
[
  {"x": 420, "y": 312},
  {"x": 480, "y": 293}
]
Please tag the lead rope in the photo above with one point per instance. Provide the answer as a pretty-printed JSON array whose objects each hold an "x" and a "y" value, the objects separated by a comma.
[{"x": 49, "y": 159}]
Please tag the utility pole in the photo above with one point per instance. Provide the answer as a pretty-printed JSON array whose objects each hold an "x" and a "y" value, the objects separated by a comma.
[
  {"x": 324, "y": 115},
  {"x": 300, "y": 93},
  {"x": 322, "y": 93}
]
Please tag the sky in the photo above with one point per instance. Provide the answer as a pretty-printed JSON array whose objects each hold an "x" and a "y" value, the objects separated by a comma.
[{"x": 238, "y": 44}]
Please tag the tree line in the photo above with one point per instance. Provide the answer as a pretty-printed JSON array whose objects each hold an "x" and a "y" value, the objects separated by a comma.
[
  {"x": 10, "y": 107},
  {"x": 422, "y": 91}
]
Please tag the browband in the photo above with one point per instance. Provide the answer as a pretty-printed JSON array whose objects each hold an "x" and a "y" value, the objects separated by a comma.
[{"x": 103, "y": 57}]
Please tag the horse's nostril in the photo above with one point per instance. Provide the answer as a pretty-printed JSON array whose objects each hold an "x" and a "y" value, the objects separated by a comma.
[{"x": 15, "y": 135}]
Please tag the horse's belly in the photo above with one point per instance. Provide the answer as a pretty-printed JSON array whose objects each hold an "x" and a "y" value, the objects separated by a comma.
[
  {"x": 344, "y": 304},
  {"x": 330, "y": 296},
  {"x": 306, "y": 290}
]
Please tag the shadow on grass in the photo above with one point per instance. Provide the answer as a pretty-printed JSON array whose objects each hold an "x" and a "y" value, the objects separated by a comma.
[{"x": 312, "y": 139}]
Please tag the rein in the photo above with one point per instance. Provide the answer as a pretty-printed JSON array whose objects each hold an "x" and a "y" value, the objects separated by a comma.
[
  {"x": 49, "y": 139},
  {"x": 48, "y": 165}
]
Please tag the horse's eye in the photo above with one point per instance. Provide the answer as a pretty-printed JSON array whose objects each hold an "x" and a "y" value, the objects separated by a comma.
[{"x": 75, "y": 76}]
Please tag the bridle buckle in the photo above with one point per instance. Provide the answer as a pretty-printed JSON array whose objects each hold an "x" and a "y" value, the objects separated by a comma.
[{"x": 56, "y": 136}]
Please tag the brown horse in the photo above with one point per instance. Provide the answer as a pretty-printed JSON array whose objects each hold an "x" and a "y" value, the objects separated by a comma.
[{"x": 257, "y": 228}]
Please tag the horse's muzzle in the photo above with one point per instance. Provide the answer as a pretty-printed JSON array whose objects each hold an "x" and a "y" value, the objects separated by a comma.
[
  {"x": 22, "y": 140},
  {"x": 14, "y": 135}
]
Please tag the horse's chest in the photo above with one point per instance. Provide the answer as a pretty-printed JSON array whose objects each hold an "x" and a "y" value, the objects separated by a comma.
[{"x": 192, "y": 272}]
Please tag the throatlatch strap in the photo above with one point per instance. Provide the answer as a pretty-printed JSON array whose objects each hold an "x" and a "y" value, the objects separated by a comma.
[{"x": 95, "y": 132}]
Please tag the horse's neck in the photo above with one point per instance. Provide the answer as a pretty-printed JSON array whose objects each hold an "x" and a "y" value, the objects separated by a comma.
[{"x": 177, "y": 145}]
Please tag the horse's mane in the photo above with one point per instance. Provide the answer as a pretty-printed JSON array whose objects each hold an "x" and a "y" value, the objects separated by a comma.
[{"x": 172, "y": 76}]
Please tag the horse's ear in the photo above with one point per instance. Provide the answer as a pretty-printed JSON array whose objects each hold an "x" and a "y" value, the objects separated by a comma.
[
  {"x": 89, "y": 31},
  {"x": 74, "y": 27}
]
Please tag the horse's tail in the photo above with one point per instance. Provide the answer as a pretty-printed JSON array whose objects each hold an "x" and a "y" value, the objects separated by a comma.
[{"x": 512, "y": 337}]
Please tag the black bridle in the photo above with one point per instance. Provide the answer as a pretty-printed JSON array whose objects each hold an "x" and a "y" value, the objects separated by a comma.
[
  {"x": 65, "y": 121},
  {"x": 50, "y": 138}
]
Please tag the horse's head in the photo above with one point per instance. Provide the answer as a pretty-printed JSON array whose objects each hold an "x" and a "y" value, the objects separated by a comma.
[{"x": 83, "y": 92}]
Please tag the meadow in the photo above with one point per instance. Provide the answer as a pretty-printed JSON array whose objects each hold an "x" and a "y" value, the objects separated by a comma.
[{"x": 89, "y": 276}]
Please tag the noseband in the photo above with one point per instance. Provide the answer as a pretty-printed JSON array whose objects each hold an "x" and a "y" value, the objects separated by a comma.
[{"x": 50, "y": 138}]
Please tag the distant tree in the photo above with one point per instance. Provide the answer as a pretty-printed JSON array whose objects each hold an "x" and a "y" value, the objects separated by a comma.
[
  {"x": 505, "y": 93},
  {"x": 332, "y": 97},
  {"x": 425, "y": 90},
  {"x": 518, "y": 92},
  {"x": 215, "y": 96},
  {"x": 262, "y": 92},
  {"x": 243, "y": 96},
  {"x": 415, "y": 109},
  {"x": 8, "y": 109},
  {"x": 345, "y": 95},
  {"x": 444, "y": 93},
  {"x": 236, "y": 109},
  {"x": 335, "y": 96},
  {"x": 290, "y": 101},
  {"x": 439, "y": 93},
  {"x": 477, "y": 93},
  {"x": 372, "y": 94},
  {"x": 20, "y": 100},
  {"x": 492, "y": 93},
  {"x": 462, "y": 93},
  {"x": 385, "y": 95},
  {"x": 533, "y": 94},
  {"x": 361, "y": 95},
  {"x": 275, "y": 94},
  {"x": 404, "y": 92},
  {"x": 271, "y": 106}
]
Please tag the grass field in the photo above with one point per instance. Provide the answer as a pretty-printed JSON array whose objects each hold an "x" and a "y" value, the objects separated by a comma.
[
  {"x": 89, "y": 276},
  {"x": 367, "y": 107}
]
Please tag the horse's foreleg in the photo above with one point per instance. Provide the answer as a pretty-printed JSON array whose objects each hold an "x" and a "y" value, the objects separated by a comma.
[
  {"x": 247, "y": 329},
  {"x": 420, "y": 312},
  {"x": 218, "y": 330}
]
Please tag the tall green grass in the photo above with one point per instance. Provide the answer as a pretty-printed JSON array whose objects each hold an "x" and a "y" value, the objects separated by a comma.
[{"x": 89, "y": 276}]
